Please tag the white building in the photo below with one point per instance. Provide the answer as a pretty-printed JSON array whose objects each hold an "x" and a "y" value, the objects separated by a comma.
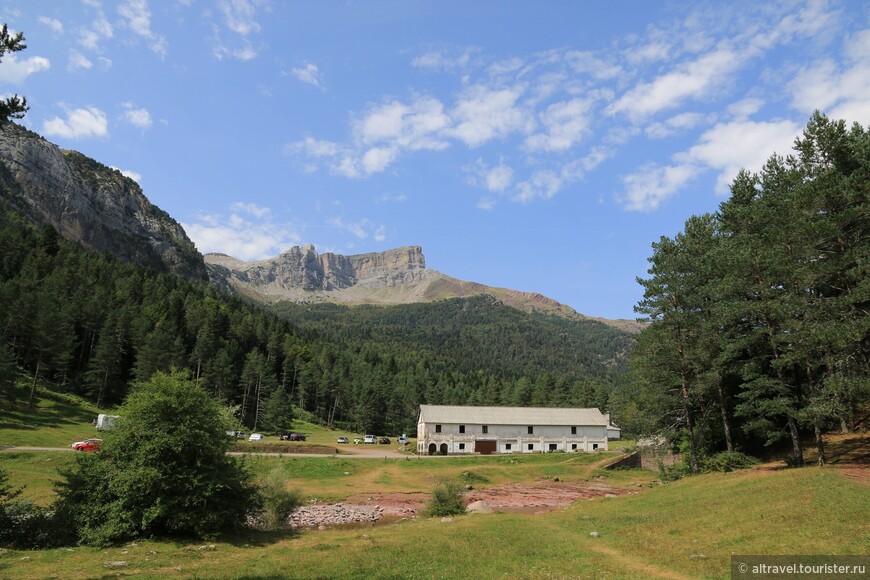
[{"x": 447, "y": 429}]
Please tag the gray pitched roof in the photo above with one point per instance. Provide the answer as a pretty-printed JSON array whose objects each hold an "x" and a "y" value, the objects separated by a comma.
[{"x": 510, "y": 415}]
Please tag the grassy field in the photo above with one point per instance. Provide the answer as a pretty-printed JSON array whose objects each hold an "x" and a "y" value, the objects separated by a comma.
[
  {"x": 685, "y": 529},
  {"x": 56, "y": 421}
]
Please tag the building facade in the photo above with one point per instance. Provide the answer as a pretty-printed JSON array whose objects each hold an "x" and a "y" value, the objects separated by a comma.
[{"x": 450, "y": 429}]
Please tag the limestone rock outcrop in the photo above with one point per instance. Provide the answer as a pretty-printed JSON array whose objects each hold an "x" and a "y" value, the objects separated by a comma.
[{"x": 91, "y": 204}]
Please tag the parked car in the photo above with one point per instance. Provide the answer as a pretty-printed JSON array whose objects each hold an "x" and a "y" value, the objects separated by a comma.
[
  {"x": 403, "y": 439},
  {"x": 357, "y": 440},
  {"x": 369, "y": 440},
  {"x": 92, "y": 444},
  {"x": 237, "y": 434},
  {"x": 384, "y": 440},
  {"x": 255, "y": 437},
  {"x": 343, "y": 440},
  {"x": 292, "y": 437}
]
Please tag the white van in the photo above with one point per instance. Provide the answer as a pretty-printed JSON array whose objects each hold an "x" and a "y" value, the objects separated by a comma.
[
  {"x": 369, "y": 439},
  {"x": 255, "y": 437}
]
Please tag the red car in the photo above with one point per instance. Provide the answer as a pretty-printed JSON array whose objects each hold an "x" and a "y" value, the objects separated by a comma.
[{"x": 92, "y": 444}]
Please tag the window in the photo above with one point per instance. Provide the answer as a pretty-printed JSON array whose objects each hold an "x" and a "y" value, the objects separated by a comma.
[
  {"x": 573, "y": 430},
  {"x": 531, "y": 430},
  {"x": 573, "y": 447},
  {"x": 552, "y": 446},
  {"x": 507, "y": 446},
  {"x": 595, "y": 446},
  {"x": 484, "y": 430},
  {"x": 531, "y": 445},
  {"x": 438, "y": 428},
  {"x": 462, "y": 446},
  {"x": 462, "y": 428}
]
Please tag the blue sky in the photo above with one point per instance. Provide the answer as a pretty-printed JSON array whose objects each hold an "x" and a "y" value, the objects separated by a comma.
[{"x": 538, "y": 146}]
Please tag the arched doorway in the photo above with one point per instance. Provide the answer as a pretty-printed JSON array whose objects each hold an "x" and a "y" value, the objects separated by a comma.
[
  {"x": 443, "y": 449},
  {"x": 432, "y": 448}
]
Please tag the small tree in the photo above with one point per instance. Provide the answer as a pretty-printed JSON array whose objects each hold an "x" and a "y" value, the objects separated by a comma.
[
  {"x": 13, "y": 107},
  {"x": 163, "y": 471}
]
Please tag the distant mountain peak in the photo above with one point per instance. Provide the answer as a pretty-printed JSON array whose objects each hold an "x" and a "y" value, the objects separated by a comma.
[{"x": 397, "y": 276}]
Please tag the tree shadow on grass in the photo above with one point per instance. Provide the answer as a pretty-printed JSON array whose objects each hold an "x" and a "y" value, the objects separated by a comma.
[{"x": 57, "y": 412}]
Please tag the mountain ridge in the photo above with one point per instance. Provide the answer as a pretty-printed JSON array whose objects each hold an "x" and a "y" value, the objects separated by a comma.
[
  {"x": 91, "y": 204},
  {"x": 396, "y": 276}
]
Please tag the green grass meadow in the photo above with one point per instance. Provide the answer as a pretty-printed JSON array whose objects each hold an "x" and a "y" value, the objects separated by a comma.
[{"x": 685, "y": 529}]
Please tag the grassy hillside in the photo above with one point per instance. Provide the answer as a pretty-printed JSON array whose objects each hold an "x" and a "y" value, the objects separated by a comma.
[
  {"x": 687, "y": 529},
  {"x": 56, "y": 420}
]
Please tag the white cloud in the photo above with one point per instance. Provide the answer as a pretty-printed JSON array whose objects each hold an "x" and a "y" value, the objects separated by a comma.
[
  {"x": 650, "y": 186},
  {"x": 841, "y": 91},
  {"x": 251, "y": 209},
  {"x": 728, "y": 147},
  {"x": 78, "y": 61},
  {"x": 362, "y": 229},
  {"x": 566, "y": 123},
  {"x": 101, "y": 29},
  {"x": 483, "y": 114},
  {"x": 495, "y": 179},
  {"x": 53, "y": 23},
  {"x": 589, "y": 63},
  {"x": 416, "y": 126},
  {"x": 15, "y": 71},
  {"x": 240, "y": 16},
  {"x": 689, "y": 80},
  {"x": 245, "y": 53},
  {"x": 676, "y": 124},
  {"x": 135, "y": 176},
  {"x": 250, "y": 236},
  {"x": 79, "y": 123},
  {"x": 486, "y": 203},
  {"x": 376, "y": 159},
  {"x": 397, "y": 198},
  {"x": 140, "y": 118},
  {"x": 745, "y": 108},
  {"x": 542, "y": 184},
  {"x": 444, "y": 60},
  {"x": 137, "y": 17},
  {"x": 309, "y": 74}
]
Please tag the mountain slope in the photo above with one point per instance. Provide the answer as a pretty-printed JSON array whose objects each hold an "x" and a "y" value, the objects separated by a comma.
[
  {"x": 398, "y": 276},
  {"x": 91, "y": 204}
]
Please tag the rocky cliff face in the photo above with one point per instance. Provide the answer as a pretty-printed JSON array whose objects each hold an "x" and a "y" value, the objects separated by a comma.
[
  {"x": 396, "y": 276},
  {"x": 90, "y": 203},
  {"x": 304, "y": 269}
]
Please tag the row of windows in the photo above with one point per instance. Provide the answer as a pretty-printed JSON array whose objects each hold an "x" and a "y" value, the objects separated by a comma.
[
  {"x": 485, "y": 429},
  {"x": 531, "y": 446}
]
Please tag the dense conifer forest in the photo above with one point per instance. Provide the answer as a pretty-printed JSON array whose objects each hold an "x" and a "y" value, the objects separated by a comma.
[
  {"x": 760, "y": 313},
  {"x": 94, "y": 326}
]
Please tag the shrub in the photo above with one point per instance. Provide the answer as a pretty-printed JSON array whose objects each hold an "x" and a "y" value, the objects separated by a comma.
[
  {"x": 446, "y": 499},
  {"x": 162, "y": 471},
  {"x": 278, "y": 501},
  {"x": 727, "y": 461}
]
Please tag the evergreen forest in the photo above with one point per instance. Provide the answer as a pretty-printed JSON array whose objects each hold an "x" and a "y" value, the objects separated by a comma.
[
  {"x": 759, "y": 330},
  {"x": 94, "y": 326}
]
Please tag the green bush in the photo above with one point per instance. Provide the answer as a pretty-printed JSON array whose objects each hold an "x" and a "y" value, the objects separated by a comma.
[
  {"x": 727, "y": 461},
  {"x": 446, "y": 499},
  {"x": 162, "y": 471},
  {"x": 278, "y": 501}
]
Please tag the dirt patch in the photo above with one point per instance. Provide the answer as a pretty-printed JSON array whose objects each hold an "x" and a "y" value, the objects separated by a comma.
[
  {"x": 855, "y": 472},
  {"x": 541, "y": 497},
  {"x": 535, "y": 498}
]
